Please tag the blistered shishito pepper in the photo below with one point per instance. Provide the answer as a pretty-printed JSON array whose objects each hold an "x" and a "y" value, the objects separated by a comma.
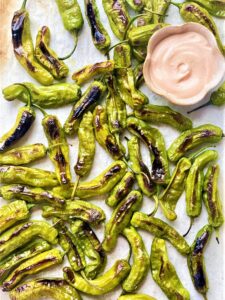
[
  {"x": 30, "y": 176},
  {"x": 118, "y": 16},
  {"x": 101, "y": 285},
  {"x": 14, "y": 260},
  {"x": 47, "y": 57},
  {"x": 52, "y": 96},
  {"x": 13, "y": 213},
  {"x": 174, "y": 189},
  {"x": 216, "y": 8},
  {"x": 165, "y": 115},
  {"x": 211, "y": 197},
  {"x": 104, "y": 137},
  {"x": 146, "y": 17},
  {"x": 196, "y": 262},
  {"x": 23, "y": 155},
  {"x": 100, "y": 185},
  {"x": 156, "y": 145},
  {"x": 164, "y": 273},
  {"x": 142, "y": 173},
  {"x": 24, "y": 49},
  {"x": 138, "y": 76},
  {"x": 121, "y": 190},
  {"x": 160, "y": 7},
  {"x": 88, "y": 100},
  {"x": 136, "y": 5},
  {"x": 30, "y": 194},
  {"x": 120, "y": 219},
  {"x": 55, "y": 288},
  {"x": 193, "y": 138},
  {"x": 140, "y": 53},
  {"x": 140, "y": 266},
  {"x": 23, "y": 233},
  {"x": 76, "y": 209},
  {"x": 122, "y": 56},
  {"x": 89, "y": 71},
  {"x": 160, "y": 229},
  {"x": 32, "y": 266},
  {"x": 135, "y": 297},
  {"x": 99, "y": 34}
]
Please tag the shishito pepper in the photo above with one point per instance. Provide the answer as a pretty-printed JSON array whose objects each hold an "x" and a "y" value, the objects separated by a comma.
[
  {"x": 160, "y": 7},
  {"x": 216, "y": 8},
  {"x": 138, "y": 76},
  {"x": 101, "y": 285},
  {"x": 24, "y": 49},
  {"x": 164, "y": 273},
  {"x": 136, "y": 5},
  {"x": 135, "y": 297},
  {"x": 47, "y": 57}
]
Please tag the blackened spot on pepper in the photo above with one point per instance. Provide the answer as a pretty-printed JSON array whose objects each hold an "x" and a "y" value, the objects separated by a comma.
[
  {"x": 22, "y": 288},
  {"x": 199, "y": 276},
  {"x": 95, "y": 30},
  {"x": 146, "y": 178},
  {"x": 52, "y": 282},
  {"x": 114, "y": 170},
  {"x": 210, "y": 187},
  {"x": 30, "y": 66},
  {"x": 60, "y": 158},
  {"x": 121, "y": 14},
  {"x": 17, "y": 232},
  {"x": 112, "y": 146},
  {"x": 195, "y": 136},
  {"x": 53, "y": 128},
  {"x": 125, "y": 208},
  {"x": 123, "y": 190},
  {"x": 17, "y": 29},
  {"x": 70, "y": 275},
  {"x": 200, "y": 243}
]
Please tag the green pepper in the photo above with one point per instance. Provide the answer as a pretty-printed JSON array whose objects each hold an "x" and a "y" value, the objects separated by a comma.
[
  {"x": 103, "y": 284},
  {"x": 120, "y": 218},
  {"x": 160, "y": 229},
  {"x": 32, "y": 266},
  {"x": 135, "y": 297},
  {"x": 190, "y": 139},
  {"x": 174, "y": 189},
  {"x": 29, "y": 176},
  {"x": 121, "y": 190},
  {"x": 138, "y": 77},
  {"x": 165, "y": 115},
  {"x": 52, "y": 96},
  {"x": 140, "y": 169},
  {"x": 76, "y": 209},
  {"x": 140, "y": 53},
  {"x": 47, "y": 57},
  {"x": 21, "y": 234},
  {"x": 24, "y": 49},
  {"x": 13, "y": 213},
  {"x": 164, "y": 273},
  {"x": 88, "y": 100},
  {"x": 22, "y": 254},
  {"x": 216, "y": 8},
  {"x": 30, "y": 194},
  {"x": 146, "y": 15},
  {"x": 195, "y": 260},
  {"x": 122, "y": 56},
  {"x": 136, "y": 5},
  {"x": 87, "y": 72},
  {"x": 23, "y": 155},
  {"x": 156, "y": 145},
  {"x": 55, "y": 288},
  {"x": 140, "y": 266},
  {"x": 160, "y": 7}
]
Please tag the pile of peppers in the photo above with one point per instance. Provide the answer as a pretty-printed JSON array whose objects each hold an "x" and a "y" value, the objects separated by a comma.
[{"x": 28, "y": 246}]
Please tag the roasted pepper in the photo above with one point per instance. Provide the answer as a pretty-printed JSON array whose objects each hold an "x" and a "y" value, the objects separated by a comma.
[
  {"x": 135, "y": 297},
  {"x": 160, "y": 8},
  {"x": 138, "y": 76},
  {"x": 136, "y": 5},
  {"x": 216, "y": 8}
]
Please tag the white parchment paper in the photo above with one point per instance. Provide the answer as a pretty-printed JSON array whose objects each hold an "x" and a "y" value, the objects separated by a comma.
[{"x": 44, "y": 12}]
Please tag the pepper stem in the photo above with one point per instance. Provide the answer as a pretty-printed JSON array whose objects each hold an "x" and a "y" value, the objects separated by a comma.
[
  {"x": 190, "y": 226},
  {"x": 197, "y": 108},
  {"x": 117, "y": 44},
  {"x": 175, "y": 4},
  {"x": 29, "y": 101},
  {"x": 24, "y": 4},
  {"x": 41, "y": 109},
  {"x": 205, "y": 297},
  {"x": 30, "y": 206},
  {"x": 156, "y": 200},
  {"x": 75, "y": 187},
  {"x": 195, "y": 154},
  {"x": 75, "y": 34}
]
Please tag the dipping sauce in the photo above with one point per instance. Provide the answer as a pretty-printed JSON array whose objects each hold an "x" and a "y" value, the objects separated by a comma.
[{"x": 183, "y": 63}]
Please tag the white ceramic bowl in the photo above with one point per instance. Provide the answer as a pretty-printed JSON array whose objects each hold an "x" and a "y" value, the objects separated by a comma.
[{"x": 217, "y": 77}]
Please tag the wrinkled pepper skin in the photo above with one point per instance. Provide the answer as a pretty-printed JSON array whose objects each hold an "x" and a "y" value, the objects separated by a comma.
[
  {"x": 136, "y": 297},
  {"x": 24, "y": 120},
  {"x": 103, "y": 135},
  {"x": 136, "y": 5},
  {"x": 55, "y": 288},
  {"x": 161, "y": 7},
  {"x": 86, "y": 152},
  {"x": 142, "y": 173},
  {"x": 76, "y": 209},
  {"x": 138, "y": 79},
  {"x": 154, "y": 140},
  {"x": 211, "y": 197},
  {"x": 160, "y": 229},
  {"x": 52, "y": 96},
  {"x": 121, "y": 190},
  {"x": 218, "y": 97},
  {"x": 215, "y": 8},
  {"x": 47, "y": 57},
  {"x": 24, "y": 49},
  {"x": 190, "y": 139},
  {"x": 87, "y": 72},
  {"x": 23, "y": 155},
  {"x": 14, "y": 260},
  {"x": 118, "y": 16},
  {"x": 194, "y": 183},
  {"x": 195, "y": 260},
  {"x": 99, "y": 34},
  {"x": 32, "y": 266},
  {"x": 120, "y": 219},
  {"x": 58, "y": 148},
  {"x": 163, "y": 115},
  {"x": 147, "y": 10},
  {"x": 164, "y": 273},
  {"x": 140, "y": 266},
  {"x": 29, "y": 176},
  {"x": 13, "y": 213},
  {"x": 30, "y": 194},
  {"x": 101, "y": 285},
  {"x": 88, "y": 100},
  {"x": 122, "y": 56},
  {"x": 23, "y": 233},
  {"x": 174, "y": 189}
]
